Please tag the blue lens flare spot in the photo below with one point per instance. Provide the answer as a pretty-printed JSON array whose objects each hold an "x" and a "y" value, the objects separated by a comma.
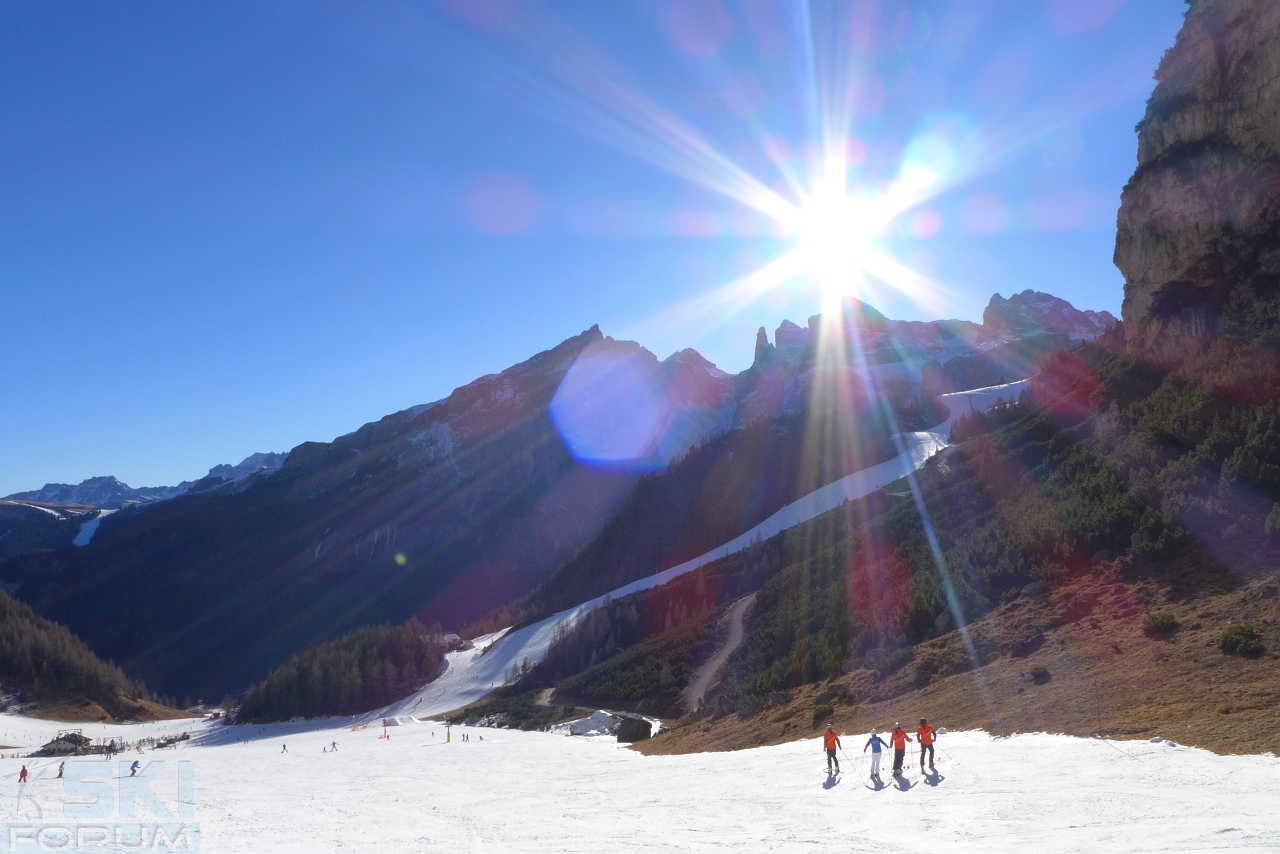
[{"x": 611, "y": 406}]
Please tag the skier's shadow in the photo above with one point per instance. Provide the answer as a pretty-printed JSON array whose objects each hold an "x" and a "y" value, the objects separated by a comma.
[
  {"x": 933, "y": 778},
  {"x": 876, "y": 784},
  {"x": 903, "y": 783},
  {"x": 831, "y": 781}
]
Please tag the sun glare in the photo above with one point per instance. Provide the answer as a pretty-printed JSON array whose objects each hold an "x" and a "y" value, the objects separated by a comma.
[{"x": 835, "y": 229}]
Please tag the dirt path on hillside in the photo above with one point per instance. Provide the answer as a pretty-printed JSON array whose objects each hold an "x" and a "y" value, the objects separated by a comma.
[{"x": 706, "y": 674}]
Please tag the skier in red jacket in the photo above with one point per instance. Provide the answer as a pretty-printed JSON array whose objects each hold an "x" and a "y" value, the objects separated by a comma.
[
  {"x": 898, "y": 738},
  {"x": 926, "y": 734},
  {"x": 830, "y": 741}
]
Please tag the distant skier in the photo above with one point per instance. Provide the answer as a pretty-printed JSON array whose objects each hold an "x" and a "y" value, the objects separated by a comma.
[
  {"x": 22, "y": 775},
  {"x": 133, "y": 769},
  {"x": 284, "y": 748},
  {"x": 926, "y": 734},
  {"x": 830, "y": 741},
  {"x": 899, "y": 739},
  {"x": 875, "y": 743},
  {"x": 335, "y": 747},
  {"x": 61, "y": 767}
]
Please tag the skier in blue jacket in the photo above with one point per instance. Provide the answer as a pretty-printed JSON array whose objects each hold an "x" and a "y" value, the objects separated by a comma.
[{"x": 875, "y": 744}]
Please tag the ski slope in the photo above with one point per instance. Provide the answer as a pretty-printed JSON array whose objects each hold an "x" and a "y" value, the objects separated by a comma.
[
  {"x": 556, "y": 794},
  {"x": 88, "y": 529},
  {"x": 472, "y": 674}
]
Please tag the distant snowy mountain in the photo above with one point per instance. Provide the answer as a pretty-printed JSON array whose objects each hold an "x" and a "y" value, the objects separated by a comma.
[
  {"x": 110, "y": 492},
  {"x": 1032, "y": 311},
  {"x": 252, "y": 464}
]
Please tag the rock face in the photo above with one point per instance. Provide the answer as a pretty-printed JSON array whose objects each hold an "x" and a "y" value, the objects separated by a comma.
[
  {"x": 1198, "y": 233},
  {"x": 911, "y": 358},
  {"x": 634, "y": 729},
  {"x": 1032, "y": 312}
]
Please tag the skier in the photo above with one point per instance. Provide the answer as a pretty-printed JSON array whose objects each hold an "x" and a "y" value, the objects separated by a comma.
[
  {"x": 335, "y": 747},
  {"x": 926, "y": 734},
  {"x": 22, "y": 775},
  {"x": 899, "y": 739},
  {"x": 875, "y": 743},
  {"x": 61, "y": 767},
  {"x": 284, "y": 748},
  {"x": 831, "y": 741},
  {"x": 133, "y": 769}
]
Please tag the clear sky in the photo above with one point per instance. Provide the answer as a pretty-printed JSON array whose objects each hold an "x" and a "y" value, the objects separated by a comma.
[{"x": 235, "y": 227}]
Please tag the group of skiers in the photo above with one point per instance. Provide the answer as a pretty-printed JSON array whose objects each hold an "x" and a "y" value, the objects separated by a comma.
[{"x": 898, "y": 738}]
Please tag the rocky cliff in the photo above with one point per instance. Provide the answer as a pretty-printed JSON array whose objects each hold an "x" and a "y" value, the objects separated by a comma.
[{"x": 1198, "y": 233}]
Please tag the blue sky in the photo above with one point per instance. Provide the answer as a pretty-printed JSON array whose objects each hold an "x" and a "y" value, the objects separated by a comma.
[{"x": 234, "y": 227}]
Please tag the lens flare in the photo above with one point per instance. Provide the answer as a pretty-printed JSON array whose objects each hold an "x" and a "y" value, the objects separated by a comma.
[{"x": 611, "y": 407}]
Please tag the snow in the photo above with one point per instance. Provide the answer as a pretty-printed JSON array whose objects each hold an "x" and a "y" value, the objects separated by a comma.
[
  {"x": 54, "y": 513},
  {"x": 598, "y": 723},
  {"x": 472, "y": 674},
  {"x": 542, "y": 792},
  {"x": 88, "y": 529},
  {"x": 961, "y": 402}
]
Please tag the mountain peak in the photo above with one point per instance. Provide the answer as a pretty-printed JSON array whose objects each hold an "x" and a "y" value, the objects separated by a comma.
[{"x": 1031, "y": 311}]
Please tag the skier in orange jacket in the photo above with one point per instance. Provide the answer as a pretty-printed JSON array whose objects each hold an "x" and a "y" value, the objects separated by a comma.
[
  {"x": 898, "y": 738},
  {"x": 926, "y": 734},
  {"x": 830, "y": 741}
]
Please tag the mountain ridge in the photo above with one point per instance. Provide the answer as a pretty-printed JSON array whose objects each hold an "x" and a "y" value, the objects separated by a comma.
[
  {"x": 110, "y": 492},
  {"x": 447, "y": 509}
]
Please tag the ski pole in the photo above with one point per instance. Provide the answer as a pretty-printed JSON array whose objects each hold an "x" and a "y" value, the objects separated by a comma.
[{"x": 850, "y": 761}]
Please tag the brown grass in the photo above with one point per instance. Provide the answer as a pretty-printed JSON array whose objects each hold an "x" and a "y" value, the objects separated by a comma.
[
  {"x": 87, "y": 711},
  {"x": 1106, "y": 677}
]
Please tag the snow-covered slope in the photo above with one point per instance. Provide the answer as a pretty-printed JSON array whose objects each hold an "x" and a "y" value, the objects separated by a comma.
[
  {"x": 87, "y": 529},
  {"x": 472, "y": 674},
  {"x": 541, "y": 792}
]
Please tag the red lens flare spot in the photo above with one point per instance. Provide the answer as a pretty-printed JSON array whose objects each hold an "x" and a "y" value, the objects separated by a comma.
[
  {"x": 1076, "y": 16},
  {"x": 1065, "y": 386},
  {"x": 501, "y": 203},
  {"x": 699, "y": 27}
]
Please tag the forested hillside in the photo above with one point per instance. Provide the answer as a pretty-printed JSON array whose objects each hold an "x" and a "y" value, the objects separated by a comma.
[
  {"x": 43, "y": 662},
  {"x": 365, "y": 669},
  {"x": 1168, "y": 477},
  {"x": 1106, "y": 467}
]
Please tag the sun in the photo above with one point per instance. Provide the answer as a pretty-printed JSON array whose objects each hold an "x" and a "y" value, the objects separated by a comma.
[{"x": 834, "y": 229}]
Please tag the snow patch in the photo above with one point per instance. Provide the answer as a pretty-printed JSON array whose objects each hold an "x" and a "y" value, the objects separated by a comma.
[
  {"x": 54, "y": 513},
  {"x": 88, "y": 529},
  {"x": 598, "y": 723}
]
